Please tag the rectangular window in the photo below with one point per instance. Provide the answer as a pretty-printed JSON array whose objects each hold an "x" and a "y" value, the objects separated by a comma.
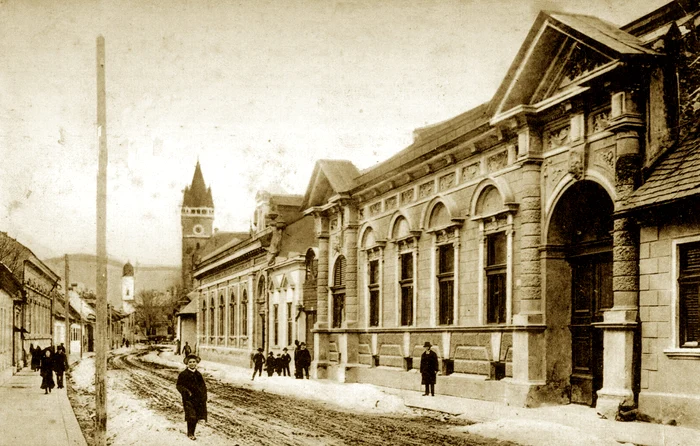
[
  {"x": 232, "y": 316},
  {"x": 496, "y": 255},
  {"x": 289, "y": 323},
  {"x": 244, "y": 318},
  {"x": 446, "y": 284},
  {"x": 689, "y": 295},
  {"x": 338, "y": 307},
  {"x": 275, "y": 315},
  {"x": 374, "y": 293},
  {"x": 406, "y": 285}
]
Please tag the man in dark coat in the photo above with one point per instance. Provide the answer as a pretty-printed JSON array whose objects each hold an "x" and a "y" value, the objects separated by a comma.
[
  {"x": 270, "y": 364},
  {"x": 428, "y": 369},
  {"x": 286, "y": 359},
  {"x": 303, "y": 360},
  {"x": 187, "y": 350},
  {"x": 46, "y": 371},
  {"x": 258, "y": 361},
  {"x": 296, "y": 362},
  {"x": 60, "y": 365},
  {"x": 193, "y": 389},
  {"x": 36, "y": 357}
]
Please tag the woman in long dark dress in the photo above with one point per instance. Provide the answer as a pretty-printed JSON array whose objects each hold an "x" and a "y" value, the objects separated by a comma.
[
  {"x": 36, "y": 357},
  {"x": 46, "y": 372},
  {"x": 193, "y": 389}
]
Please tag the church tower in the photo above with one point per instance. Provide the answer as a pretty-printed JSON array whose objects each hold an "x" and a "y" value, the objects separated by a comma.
[
  {"x": 128, "y": 282},
  {"x": 197, "y": 220}
]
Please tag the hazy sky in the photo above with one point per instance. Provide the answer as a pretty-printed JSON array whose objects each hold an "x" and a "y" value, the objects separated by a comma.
[{"x": 257, "y": 90}]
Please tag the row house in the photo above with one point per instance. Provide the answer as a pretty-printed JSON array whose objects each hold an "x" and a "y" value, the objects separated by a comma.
[
  {"x": 249, "y": 288},
  {"x": 11, "y": 358},
  {"x": 544, "y": 242},
  {"x": 547, "y": 242}
]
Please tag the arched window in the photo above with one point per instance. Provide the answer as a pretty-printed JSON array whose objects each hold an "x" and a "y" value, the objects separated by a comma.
[
  {"x": 261, "y": 290},
  {"x": 232, "y": 314},
  {"x": 222, "y": 313},
  {"x": 212, "y": 307},
  {"x": 338, "y": 307},
  {"x": 445, "y": 267},
  {"x": 244, "y": 313}
]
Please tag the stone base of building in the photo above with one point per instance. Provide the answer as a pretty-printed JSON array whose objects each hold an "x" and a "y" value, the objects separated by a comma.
[
  {"x": 478, "y": 387},
  {"x": 671, "y": 408},
  {"x": 5, "y": 375},
  {"x": 232, "y": 356}
]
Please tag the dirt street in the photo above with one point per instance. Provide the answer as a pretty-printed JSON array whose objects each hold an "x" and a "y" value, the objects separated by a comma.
[{"x": 251, "y": 417}]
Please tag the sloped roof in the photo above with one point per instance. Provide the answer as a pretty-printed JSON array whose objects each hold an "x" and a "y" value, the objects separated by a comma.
[
  {"x": 197, "y": 194},
  {"x": 221, "y": 239},
  {"x": 603, "y": 32},
  {"x": 340, "y": 175},
  {"x": 190, "y": 308},
  {"x": 674, "y": 178}
]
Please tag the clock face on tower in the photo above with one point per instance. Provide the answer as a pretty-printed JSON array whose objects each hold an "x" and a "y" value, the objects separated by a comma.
[{"x": 198, "y": 229}]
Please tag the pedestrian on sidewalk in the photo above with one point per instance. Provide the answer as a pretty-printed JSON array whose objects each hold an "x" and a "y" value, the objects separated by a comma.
[
  {"x": 258, "y": 361},
  {"x": 286, "y": 359},
  {"x": 278, "y": 364},
  {"x": 60, "y": 365},
  {"x": 428, "y": 369},
  {"x": 303, "y": 360},
  {"x": 270, "y": 364},
  {"x": 36, "y": 357},
  {"x": 193, "y": 389},
  {"x": 186, "y": 350},
  {"x": 46, "y": 371}
]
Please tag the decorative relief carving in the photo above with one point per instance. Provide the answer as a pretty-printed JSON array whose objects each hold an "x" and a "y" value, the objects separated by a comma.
[
  {"x": 334, "y": 224},
  {"x": 447, "y": 181},
  {"x": 552, "y": 172},
  {"x": 470, "y": 172},
  {"x": 558, "y": 137},
  {"x": 446, "y": 235},
  {"x": 605, "y": 157},
  {"x": 497, "y": 161},
  {"x": 361, "y": 213},
  {"x": 425, "y": 189},
  {"x": 600, "y": 121},
  {"x": 576, "y": 166},
  {"x": 407, "y": 196},
  {"x": 375, "y": 208},
  {"x": 373, "y": 253},
  {"x": 494, "y": 224},
  {"x": 390, "y": 203},
  {"x": 406, "y": 244}
]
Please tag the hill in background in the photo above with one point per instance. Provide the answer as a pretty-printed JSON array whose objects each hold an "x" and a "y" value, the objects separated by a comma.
[{"x": 83, "y": 269}]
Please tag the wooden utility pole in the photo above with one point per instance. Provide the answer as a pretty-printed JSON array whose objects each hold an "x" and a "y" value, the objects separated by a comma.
[
  {"x": 101, "y": 347},
  {"x": 66, "y": 289}
]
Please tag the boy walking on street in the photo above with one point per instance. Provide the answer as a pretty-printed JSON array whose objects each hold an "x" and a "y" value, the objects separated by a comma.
[{"x": 258, "y": 361}]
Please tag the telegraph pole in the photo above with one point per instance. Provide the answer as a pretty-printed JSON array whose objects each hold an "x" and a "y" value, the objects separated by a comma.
[
  {"x": 101, "y": 347},
  {"x": 67, "y": 309}
]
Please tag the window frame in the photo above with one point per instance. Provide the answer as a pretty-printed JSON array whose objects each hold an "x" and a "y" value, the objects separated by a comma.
[
  {"x": 373, "y": 289},
  {"x": 338, "y": 292},
  {"x": 445, "y": 278},
  {"x": 406, "y": 289},
  {"x": 496, "y": 304}
]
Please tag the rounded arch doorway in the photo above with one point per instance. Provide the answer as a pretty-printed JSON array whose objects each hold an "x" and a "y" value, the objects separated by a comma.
[{"x": 578, "y": 274}]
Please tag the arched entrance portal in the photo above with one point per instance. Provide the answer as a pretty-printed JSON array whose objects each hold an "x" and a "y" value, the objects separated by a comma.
[{"x": 580, "y": 230}]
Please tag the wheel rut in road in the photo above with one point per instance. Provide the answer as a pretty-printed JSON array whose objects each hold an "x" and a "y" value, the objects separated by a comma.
[{"x": 253, "y": 417}]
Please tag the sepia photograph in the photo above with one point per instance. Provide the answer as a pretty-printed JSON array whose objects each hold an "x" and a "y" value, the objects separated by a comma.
[{"x": 350, "y": 222}]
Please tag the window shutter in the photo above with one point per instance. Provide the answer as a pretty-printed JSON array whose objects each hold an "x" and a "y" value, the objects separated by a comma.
[
  {"x": 690, "y": 312},
  {"x": 339, "y": 273}
]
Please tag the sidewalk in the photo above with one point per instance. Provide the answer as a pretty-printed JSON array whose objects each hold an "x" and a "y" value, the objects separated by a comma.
[
  {"x": 582, "y": 418},
  {"x": 31, "y": 418}
]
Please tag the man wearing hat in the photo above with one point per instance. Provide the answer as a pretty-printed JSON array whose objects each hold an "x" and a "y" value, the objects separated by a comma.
[
  {"x": 428, "y": 369},
  {"x": 193, "y": 389},
  {"x": 258, "y": 361}
]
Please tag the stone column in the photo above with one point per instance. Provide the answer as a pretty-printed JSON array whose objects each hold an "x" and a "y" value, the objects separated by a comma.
[
  {"x": 528, "y": 340},
  {"x": 350, "y": 344},
  {"x": 318, "y": 366},
  {"x": 620, "y": 322}
]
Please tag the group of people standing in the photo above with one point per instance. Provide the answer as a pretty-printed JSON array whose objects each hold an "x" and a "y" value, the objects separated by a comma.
[
  {"x": 49, "y": 361},
  {"x": 280, "y": 363}
]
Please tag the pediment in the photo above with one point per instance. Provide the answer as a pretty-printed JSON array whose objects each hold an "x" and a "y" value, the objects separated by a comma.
[{"x": 560, "y": 55}]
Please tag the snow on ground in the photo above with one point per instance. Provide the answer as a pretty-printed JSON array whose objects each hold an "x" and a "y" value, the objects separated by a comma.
[
  {"x": 130, "y": 421},
  {"x": 357, "y": 397},
  {"x": 536, "y": 433}
]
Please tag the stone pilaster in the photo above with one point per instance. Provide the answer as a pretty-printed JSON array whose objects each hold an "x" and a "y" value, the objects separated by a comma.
[
  {"x": 352, "y": 301},
  {"x": 530, "y": 290},
  {"x": 620, "y": 322},
  {"x": 318, "y": 366}
]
